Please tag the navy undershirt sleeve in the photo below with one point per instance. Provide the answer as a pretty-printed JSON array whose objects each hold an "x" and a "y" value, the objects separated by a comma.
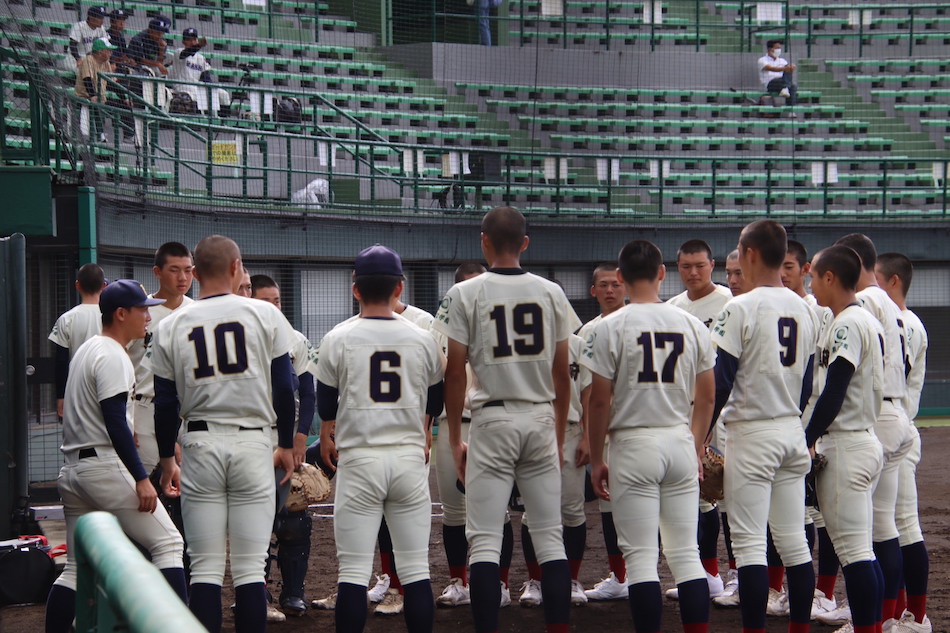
[
  {"x": 117, "y": 425},
  {"x": 436, "y": 399},
  {"x": 282, "y": 384},
  {"x": 167, "y": 421},
  {"x": 328, "y": 399},
  {"x": 308, "y": 403},
  {"x": 807, "y": 385},
  {"x": 829, "y": 402},
  {"x": 61, "y": 370},
  {"x": 727, "y": 366}
]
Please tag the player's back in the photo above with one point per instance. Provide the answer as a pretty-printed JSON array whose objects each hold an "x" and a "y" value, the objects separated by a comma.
[
  {"x": 875, "y": 300},
  {"x": 383, "y": 369},
  {"x": 773, "y": 334},
  {"x": 76, "y": 326},
  {"x": 657, "y": 350},
  {"x": 219, "y": 352},
  {"x": 512, "y": 325}
]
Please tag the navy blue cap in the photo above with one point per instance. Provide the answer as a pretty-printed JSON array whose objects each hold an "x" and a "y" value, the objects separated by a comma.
[
  {"x": 159, "y": 23},
  {"x": 96, "y": 12},
  {"x": 378, "y": 260},
  {"x": 118, "y": 14},
  {"x": 125, "y": 293},
  {"x": 189, "y": 33}
]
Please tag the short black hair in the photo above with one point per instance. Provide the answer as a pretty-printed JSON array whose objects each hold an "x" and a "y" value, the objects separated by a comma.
[
  {"x": 897, "y": 264},
  {"x": 108, "y": 318},
  {"x": 602, "y": 268},
  {"x": 467, "y": 270},
  {"x": 863, "y": 246},
  {"x": 262, "y": 281},
  {"x": 841, "y": 260},
  {"x": 376, "y": 289},
  {"x": 170, "y": 249},
  {"x": 768, "y": 237},
  {"x": 90, "y": 278},
  {"x": 771, "y": 43},
  {"x": 691, "y": 247},
  {"x": 506, "y": 229},
  {"x": 639, "y": 260},
  {"x": 797, "y": 249}
]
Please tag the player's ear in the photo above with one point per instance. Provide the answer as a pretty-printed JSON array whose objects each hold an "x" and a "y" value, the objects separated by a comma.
[
  {"x": 76, "y": 285},
  {"x": 619, "y": 276},
  {"x": 156, "y": 271},
  {"x": 356, "y": 292},
  {"x": 524, "y": 244},
  {"x": 662, "y": 273},
  {"x": 397, "y": 291}
]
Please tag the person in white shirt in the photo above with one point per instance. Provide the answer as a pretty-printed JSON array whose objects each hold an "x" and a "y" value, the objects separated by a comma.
[
  {"x": 192, "y": 68},
  {"x": 775, "y": 73},
  {"x": 84, "y": 33}
]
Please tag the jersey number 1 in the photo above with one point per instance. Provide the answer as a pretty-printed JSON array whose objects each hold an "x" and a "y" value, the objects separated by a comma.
[{"x": 223, "y": 331}]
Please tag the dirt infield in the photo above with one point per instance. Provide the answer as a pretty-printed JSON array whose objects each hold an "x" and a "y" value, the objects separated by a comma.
[{"x": 935, "y": 520}]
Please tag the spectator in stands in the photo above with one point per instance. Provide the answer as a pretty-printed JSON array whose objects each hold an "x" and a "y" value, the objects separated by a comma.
[
  {"x": 190, "y": 67},
  {"x": 483, "y": 11},
  {"x": 84, "y": 33},
  {"x": 148, "y": 46},
  {"x": 775, "y": 73},
  {"x": 88, "y": 84},
  {"x": 116, "y": 35}
]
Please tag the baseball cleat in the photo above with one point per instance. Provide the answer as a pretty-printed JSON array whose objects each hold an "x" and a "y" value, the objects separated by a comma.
[
  {"x": 392, "y": 604},
  {"x": 454, "y": 595},
  {"x": 907, "y": 624},
  {"x": 274, "y": 615},
  {"x": 784, "y": 93},
  {"x": 778, "y": 603},
  {"x": 505, "y": 596},
  {"x": 889, "y": 625},
  {"x": 729, "y": 596},
  {"x": 293, "y": 606},
  {"x": 672, "y": 593},
  {"x": 578, "y": 597},
  {"x": 378, "y": 592},
  {"x": 327, "y": 604},
  {"x": 839, "y": 616},
  {"x": 822, "y": 604},
  {"x": 608, "y": 589},
  {"x": 530, "y": 594},
  {"x": 847, "y": 628},
  {"x": 715, "y": 583}
]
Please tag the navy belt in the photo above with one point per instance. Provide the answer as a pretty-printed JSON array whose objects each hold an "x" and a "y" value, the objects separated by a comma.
[
  {"x": 494, "y": 403},
  {"x": 202, "y": 425},
  {"x": 466, "y": 420},
  {"x": 87, "y": 452}
]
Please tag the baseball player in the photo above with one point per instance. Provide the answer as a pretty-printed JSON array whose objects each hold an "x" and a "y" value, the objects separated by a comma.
[
  {"x": 609, "y": 293},
  {"x": 173, "y": 269},
  {"x": 293, "y": 529},
  {"x": 651, "y": 364},
  {"x": 242, "y": 286},
  {"x": 734, "y": 278},
  {"x": 703, "y": 299},
  {"x": 765, "y": 340},
  {"x": 192, "y": 69},
  {"x": 378, "y": 436},
  {"x": 893, "y": 428},
  {"x": 849, "y": 374},
  {"x": 74, "y": 327},
  {"x": 513, "y": 329},
  {"x": 457, "y": 592},
  {"x": 84, "y": 33},
  {"x": 894, "y": 274},
  {"x": 573, "y": 471},
  {"x": 225, "y": 360},
  {"x": 102, "y": 470}
]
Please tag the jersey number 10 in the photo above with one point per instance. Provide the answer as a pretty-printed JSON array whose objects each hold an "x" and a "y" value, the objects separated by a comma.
[{"x": 225, "y": 365}]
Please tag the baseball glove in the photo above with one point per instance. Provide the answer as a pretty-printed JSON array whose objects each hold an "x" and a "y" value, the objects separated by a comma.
[
  {"x": 818, "y": 463},
  {"x": 711, "y": 487},
  {"x": 308, "y": 485}
]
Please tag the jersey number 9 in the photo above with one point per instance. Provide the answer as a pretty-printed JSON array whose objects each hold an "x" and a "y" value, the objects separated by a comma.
[{"x": 788, "y": 338}]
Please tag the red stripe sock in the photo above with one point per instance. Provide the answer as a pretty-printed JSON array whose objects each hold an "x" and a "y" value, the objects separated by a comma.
[
  {"x": 503, "y": 574},
  {"x": 870, "y": 628},
  {"x": 386, "y": 563},
  {"x": 918, "y": 606},
  {"x": 746, "y": 630},
  {"x": 711, "y": 565},
  {"x": 732, "y": 564},
  {"x": 879, "y": 627},
  {"x": 575, "y": 566},
  {"x": 776, "y": 576},
  {"x": 557, "y": 628},
  {"x": 901, "y": 603},
  {"x": 826, "y": 584},
  {"x": 799, "y": 627},
  {"x": 534, "y": 570},
  {"x": 459, "y": 572},
  {"x": 617, "y": 566},
  {"x": 887, "y": 611},
  {"x": 696, "y": 627}
]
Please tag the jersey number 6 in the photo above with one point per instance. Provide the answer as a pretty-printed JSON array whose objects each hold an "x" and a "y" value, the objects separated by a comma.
[{"x": 384, "y": 386}]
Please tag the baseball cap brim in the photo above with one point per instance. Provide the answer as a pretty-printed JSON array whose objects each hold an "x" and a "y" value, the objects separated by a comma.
[{"x": 151, "y": 301}]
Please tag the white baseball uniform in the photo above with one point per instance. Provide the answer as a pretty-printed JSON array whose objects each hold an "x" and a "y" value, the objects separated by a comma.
[
  {"x": 855, "y": 456},
  {"x": 585, "y": 333},
  {"x": 218, "y": 352},
  {"x": 188, "y": 71},
  {"x": 652, "y": 354},
  {"x": 84, "y": 36},
  {"x": 707, "y": 308},
  {"x": 893, "y": 428},
  {"x": 93, "y": 476},
  {"x": 143, "y": 412},
  {"x": 772, "y": 333},
  {"x": 908, "y": 523},
  {"x": 511, "y": 322},
  {"x": 382, "y": 369},
  {"x": 76, "y": 326}
]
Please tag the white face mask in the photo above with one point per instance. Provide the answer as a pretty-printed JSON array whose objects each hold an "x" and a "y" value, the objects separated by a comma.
[{"x": 776, "y": 52}]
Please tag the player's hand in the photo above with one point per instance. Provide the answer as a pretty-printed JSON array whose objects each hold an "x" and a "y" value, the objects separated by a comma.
[
  {"x": 699, "y": 465},
  {"x": 284, "y": 458},
  {"x": 460, "y": 455},
  {"x": 59, "y": 407},
  {"x": 135, "y": 438},
  {"x": 162, "y": 69},
  {"x": 171, "y": 477},
  {"x": 300, "y": 449},
  {"x": 148, "y": 497},
  {"x": 328, "y": 452},
  {"x": 582, "y": 454},
  {"x": 202, "y": 42},
  {"x": 599, "y": 476}
]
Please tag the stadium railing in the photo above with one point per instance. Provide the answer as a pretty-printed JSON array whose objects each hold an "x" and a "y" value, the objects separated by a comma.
[{"x": 111, "y": 576}]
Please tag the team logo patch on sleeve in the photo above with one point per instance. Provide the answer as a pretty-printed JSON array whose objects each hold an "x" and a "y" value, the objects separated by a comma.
[
  {"x": 720, "y": 327},
  {"x": 841, "y": 337},
  {"x": 443, "y": 313}
]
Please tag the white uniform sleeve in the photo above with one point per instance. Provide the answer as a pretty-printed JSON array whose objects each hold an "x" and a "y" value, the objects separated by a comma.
[
  {"x": 915, "y": 379},
  {"x": 728, "y": 332},
  {"x": 599, "y": 355},
  {"x": 568, "y": 323},
  {"x": 283, "y": 333},
  {"x": 451, "y": 319},
  {"x": 706, "y": 353},
  {"x": 304, "y": 355},
  {"x": 60, "y": 332},
  {"x": 846, "y": 343},
  {"x": 75, "y": 33},
  {"x": 329, "y": 358},
  {"x": 160, "y": 352},
  {"x": 111, "y": 376}
]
